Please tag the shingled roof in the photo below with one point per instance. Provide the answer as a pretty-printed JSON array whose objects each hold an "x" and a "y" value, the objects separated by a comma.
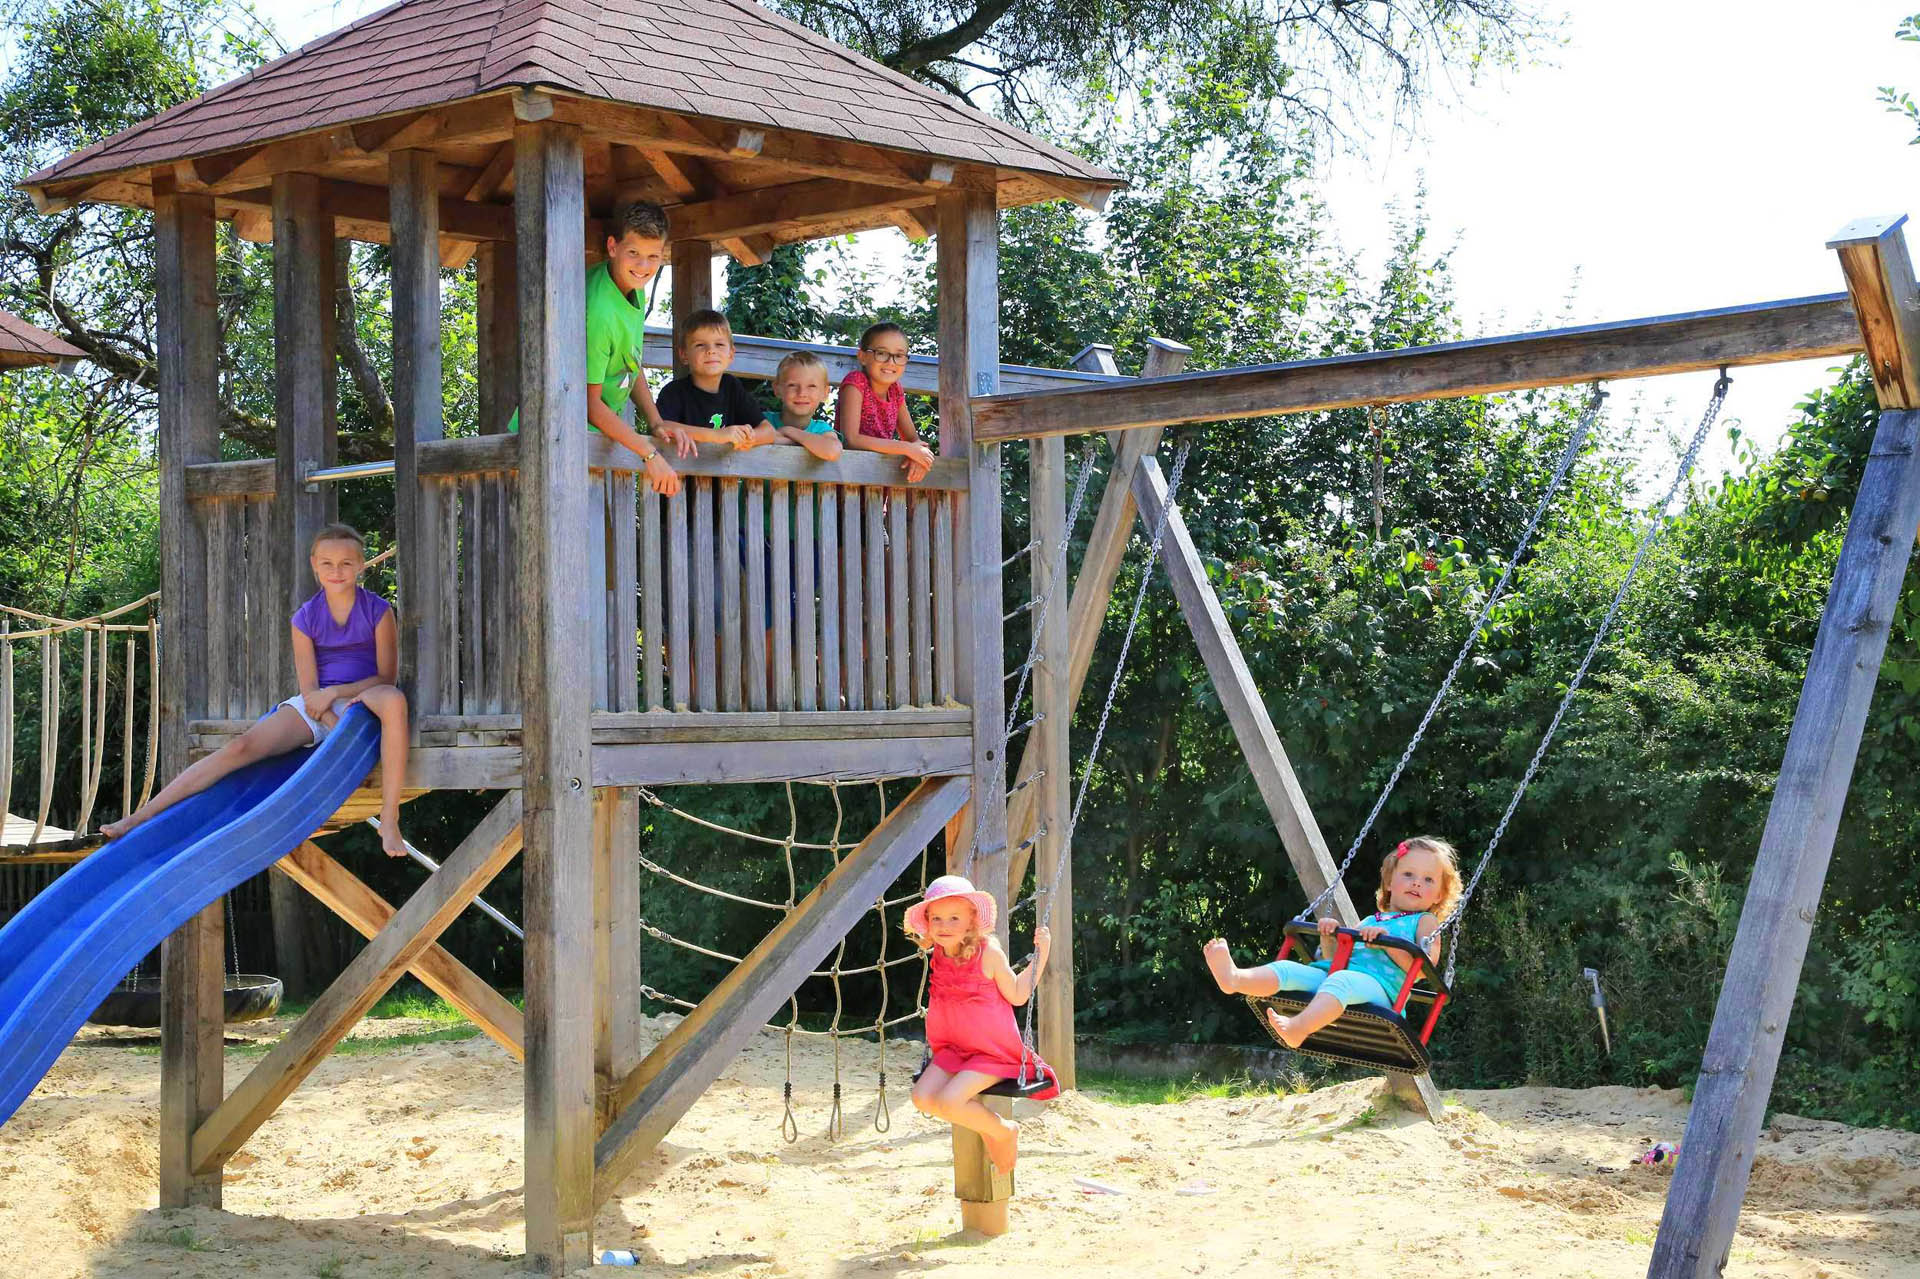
[
  {"x": 22, "y": 344},
  {"x": 726, "y": 60}
]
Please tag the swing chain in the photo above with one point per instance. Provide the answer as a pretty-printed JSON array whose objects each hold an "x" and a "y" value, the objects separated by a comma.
[
  {"x": 1655, "y": 523},
  {"x": 1575, "y": 442}
]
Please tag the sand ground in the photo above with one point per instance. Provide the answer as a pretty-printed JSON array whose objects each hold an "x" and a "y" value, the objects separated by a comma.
[{"x": 407, "y": 1163}]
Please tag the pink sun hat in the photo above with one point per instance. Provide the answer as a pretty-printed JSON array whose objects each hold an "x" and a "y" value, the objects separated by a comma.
[{"x": 952, "y": 886}]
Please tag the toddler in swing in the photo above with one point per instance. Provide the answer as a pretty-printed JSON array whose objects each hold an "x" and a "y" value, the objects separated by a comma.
[
  {"x": 1419, "y": 886},
  {"x": 972, "y": 1036},
  {"x": 345, "y": 650}
]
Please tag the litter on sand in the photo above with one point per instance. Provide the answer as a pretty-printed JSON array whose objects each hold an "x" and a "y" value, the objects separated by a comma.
[{"x": 1093, "y": 1187}]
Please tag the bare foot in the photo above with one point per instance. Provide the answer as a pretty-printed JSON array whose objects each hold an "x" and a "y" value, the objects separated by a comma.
[
  {"x": 114, "y": 830},
  {"x": 1283, "y": 1027},
  {"x": 390, "y": 838},
  {"x": 1220, "y": 963},
  {"x": 1005, "y": 1148}
]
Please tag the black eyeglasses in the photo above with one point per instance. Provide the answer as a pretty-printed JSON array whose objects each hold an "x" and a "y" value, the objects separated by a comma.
[{"x": 886, "y": 357}]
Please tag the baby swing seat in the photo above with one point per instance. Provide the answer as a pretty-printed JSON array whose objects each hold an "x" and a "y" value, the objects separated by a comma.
[{"x": 1369, "y": 1035}]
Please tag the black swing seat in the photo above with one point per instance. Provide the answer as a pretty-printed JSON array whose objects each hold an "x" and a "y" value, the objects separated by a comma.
[
  {"x": 1366, "y": 1035},
  {"x": 1041, "y": 1086}
]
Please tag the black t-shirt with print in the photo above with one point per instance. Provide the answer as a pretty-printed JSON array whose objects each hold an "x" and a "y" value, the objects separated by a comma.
[{"x": 730, "y": 405}]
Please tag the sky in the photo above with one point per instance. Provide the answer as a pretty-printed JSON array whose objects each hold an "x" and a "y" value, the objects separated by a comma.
[{"x": 1669, "y": 155}]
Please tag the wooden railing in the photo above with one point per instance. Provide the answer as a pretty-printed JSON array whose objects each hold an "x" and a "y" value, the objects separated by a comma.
[{"x": 770, "y": 583}]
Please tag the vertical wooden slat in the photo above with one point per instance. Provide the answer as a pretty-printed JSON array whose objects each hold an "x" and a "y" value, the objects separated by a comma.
[
  {"x": 730, "y": 552},
  {"x": 497, "y": 335},
  {"x": 473, "y": 596},
  {"x": 446, "y": 507},
  {"x": 852, "y": 600},
  {"x": 49, "y": 728},
  {"x": 706, "y": 605},
  {"x": 758, "y": 553},
  {"x": 93, "y": 725},
  {"x": 216, "y": 518},
  {"x": 805, "y": 655},
  {"x": 486, "y": 583},
  {"x": 874, "y": 512},
  {"x": 899, "y": 630},
  {"x": 920, "y": 596},
  {"x": 617, "y": 1019},
  {"x": 679, "y": 605},
  {"x": 511, "y": 633},
  {"x": 598, "y": 595},
  {"x": 828, "y": 559},
  {"x": 305, "y": 376},
  {"x": 622, "y": 659},
  {"x": 651, "y": 545},
  {"x": 413, "y": 188},
  {"x": 126, "y": 730},
  {"x": 780, "y": 590},
  {"x": 265, "y": 615},
  {"x": 187, "y": 338},
  {"x": 945, "y": 659},
  {"x": 1052, "y": 703},
  {"x": 6, "y": 716},
  {"x": 968, "y": 279},
  {"x": 549, "y": 210}
]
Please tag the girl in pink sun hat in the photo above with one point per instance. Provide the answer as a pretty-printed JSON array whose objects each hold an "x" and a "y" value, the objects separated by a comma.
[{"x": 971, "y": 1033}]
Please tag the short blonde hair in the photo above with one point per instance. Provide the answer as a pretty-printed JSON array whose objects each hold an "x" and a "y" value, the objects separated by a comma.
[
  {"x": 802, "y": 360},
  {"x": 338, "y": 533},
  {"x": 1449, "y": 860}
]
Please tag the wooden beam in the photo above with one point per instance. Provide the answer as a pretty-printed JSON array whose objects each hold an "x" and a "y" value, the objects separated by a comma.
[
  {"x": 1764, "y": 333},
  {"x": 1053, "y": 866},
  {"x": 969, "y": 291},
  {"x": 497, "y": 338},
  {"x": 413, "y": 928},
  {"x": 681, "y": 1067},
  {"x": 781, "y": 208},
  {"x": 427, "y": 669},
  {"x": 692, "y": 287},
  {"x": 494, "y": 176},
  {"x": 357, "y": 203},
  {"x": 616, "y": 942},
  {"x": 748, "y": 250},
  {"x": 368, "y": 913},
  {"x": 304, "y": 378},
  {"x": 192, "y": 960},
  {"x": 1783, "y": 895},
  {"x": 1880, "y": 283},
  {"x": 550, "y": 205},
  {"x": 1093, "y": 589}
]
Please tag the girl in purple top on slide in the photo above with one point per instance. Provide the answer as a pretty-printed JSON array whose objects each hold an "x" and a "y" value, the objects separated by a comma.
[{"x": 346, "y": 649}]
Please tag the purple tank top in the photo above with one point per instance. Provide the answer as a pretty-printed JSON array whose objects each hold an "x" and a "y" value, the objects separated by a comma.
[{"x": 345, "y": 654}]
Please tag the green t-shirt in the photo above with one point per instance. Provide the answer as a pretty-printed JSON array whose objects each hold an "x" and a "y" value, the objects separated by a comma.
[{"x": 616, "y": 334}]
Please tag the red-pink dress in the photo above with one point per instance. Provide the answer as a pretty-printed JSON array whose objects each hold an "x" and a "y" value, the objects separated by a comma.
[{"x": 971, "y": 1026}]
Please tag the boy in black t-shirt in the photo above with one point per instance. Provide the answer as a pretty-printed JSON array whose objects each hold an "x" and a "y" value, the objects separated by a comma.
[{"x": 709, "y": 398}]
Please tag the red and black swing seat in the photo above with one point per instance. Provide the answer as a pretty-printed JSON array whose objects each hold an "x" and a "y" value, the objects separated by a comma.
[
  {"x": 1039, "y": 1086},
  {"x": 1390, "y": 1039}
]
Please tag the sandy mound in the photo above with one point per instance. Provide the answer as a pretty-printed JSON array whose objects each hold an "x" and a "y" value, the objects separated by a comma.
[{"x": 407, "y": 1163}]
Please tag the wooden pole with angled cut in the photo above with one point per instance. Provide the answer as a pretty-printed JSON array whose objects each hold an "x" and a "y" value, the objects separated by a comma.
[
  {"x": 1763, "y": 970},
  {"x": 969, "y": 293},
  {"x": 304, "y": 376},
  {"x": 188, "y": 335},
  {"x": 426, "y": 664},
  {"x": 549, "y": 208}
]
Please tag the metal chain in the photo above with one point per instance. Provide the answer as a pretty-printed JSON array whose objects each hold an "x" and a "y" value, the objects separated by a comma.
[
  {"x": 1647, "y": 539},
  {"x": 1567, "y": 458},
  {"x": 1058, "y": 575}
]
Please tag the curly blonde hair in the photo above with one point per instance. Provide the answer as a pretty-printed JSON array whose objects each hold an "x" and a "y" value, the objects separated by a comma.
[
  {"x": 969, "y": 944},
  {"x": 1449, "y": 860}
]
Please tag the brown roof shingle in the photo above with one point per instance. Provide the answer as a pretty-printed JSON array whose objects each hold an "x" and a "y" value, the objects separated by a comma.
[
  {"x": 22, "y": 344},
  {"x": 712, "y": 57}
]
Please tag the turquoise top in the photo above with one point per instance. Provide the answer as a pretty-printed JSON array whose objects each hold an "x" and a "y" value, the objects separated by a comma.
[{"x": 1376, "y": 961}]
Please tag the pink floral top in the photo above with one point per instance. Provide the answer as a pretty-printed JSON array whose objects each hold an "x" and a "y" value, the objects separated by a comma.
[{"x": 879, "y": 415}]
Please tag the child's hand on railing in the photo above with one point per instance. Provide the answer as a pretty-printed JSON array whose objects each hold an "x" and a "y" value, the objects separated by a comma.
[
  {"x": 679, "y": 437},
  {"x": 919, "y": 459},
  {"x": 661, "y": 475},
  {"x": 739, "y": 437}
]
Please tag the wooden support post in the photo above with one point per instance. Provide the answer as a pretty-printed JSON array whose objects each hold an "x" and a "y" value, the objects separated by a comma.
[
  {"x": 192, "y": 964},
  {"x": 428, "y": 665},
  {"x": 498, "y": 335},
  {"x": 304, "y": 378},
  {"x": 682, "y": 1065},
  {"x": 367, "y": 913},
  {"x": 549, "y": 208},
  {"x": 982, "y": 1189},
  {"x": 413, "y": 928},
  {"x": 1763, "y": 970},
  {"x": 1052, "y": 702},
  {"x": 616, "y": 941},
  {"x": 1093, "y": 588},
  {"x": 969, "y": 292},
  {"x": 1252, "y": 728},
  {"x": 692, "y": 289}
]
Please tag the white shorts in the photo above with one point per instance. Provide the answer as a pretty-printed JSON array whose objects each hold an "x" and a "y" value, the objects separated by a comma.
[{"x": 298, "y": 704}]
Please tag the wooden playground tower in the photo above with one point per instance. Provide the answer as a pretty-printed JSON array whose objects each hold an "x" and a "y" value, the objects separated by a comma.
[{"x": 568, "y": 637}]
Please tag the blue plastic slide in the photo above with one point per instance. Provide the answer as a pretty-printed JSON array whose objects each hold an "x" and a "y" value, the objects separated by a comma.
[{"x": 61, "y": 955}]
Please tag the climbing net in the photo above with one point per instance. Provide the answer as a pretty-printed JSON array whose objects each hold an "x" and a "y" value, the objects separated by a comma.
[{"x": 883, "y": 968}]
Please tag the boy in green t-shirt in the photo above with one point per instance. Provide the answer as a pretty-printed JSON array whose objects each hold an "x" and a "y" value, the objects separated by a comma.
[{"x": 616, "y": 334}]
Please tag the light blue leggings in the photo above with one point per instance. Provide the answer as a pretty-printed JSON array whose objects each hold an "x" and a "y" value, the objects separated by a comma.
[{"x": 1347, "y": 986}]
